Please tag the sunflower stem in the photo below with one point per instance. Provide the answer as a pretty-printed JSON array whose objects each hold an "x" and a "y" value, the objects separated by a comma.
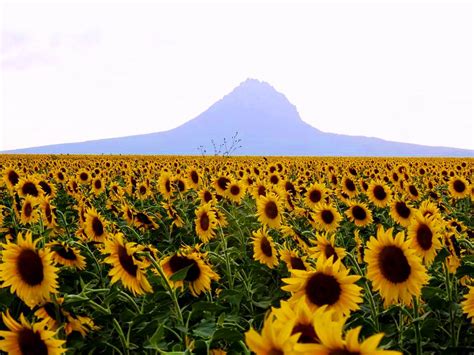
[
  {"x": 450, "y": 299},
  {"x": 416, "y": 322},
  {"x": 227, "y": 261}
]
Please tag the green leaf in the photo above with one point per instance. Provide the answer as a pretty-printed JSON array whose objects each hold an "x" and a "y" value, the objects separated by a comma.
[
  {"x": 207, "y": 306},
  {"x": 205, "y": 329},
  {"x": 180, "y": 275},
  {"x": 229, "y": 334}
]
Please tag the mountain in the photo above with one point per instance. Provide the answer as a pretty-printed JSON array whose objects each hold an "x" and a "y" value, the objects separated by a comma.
[{"x": 266, "y": 122}]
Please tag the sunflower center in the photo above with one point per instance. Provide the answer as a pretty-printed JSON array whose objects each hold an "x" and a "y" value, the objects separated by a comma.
[
  {"x": 262, "y": 191},
  {"x": 207, "y": 196},
  {"x": 13, "y": 177},
  {"x": 83, "y": 176},
  {"x": 30, "y": 267},
  {"x": 180, "y": 262},
  {"x": 142, "y": 190},
  {"x": 394, "y": 264},
  {"x": 194, "y": 177},
  {"x": 271, "y": 210},
  {"x": 315, "y": 196},
  {"x": 180, "y": 185},
  {"x": 204, "y": 222},
  {"x": 327, "y": 216},
  {"x": 168, "y": 186},
  {"x": 143, "y": 218},
  {"x": 424, "y": 236},
  {"x": 297, "y": 263},
  {"x": 266, "y": 247},
  {"x": 323, "y": 289},
  {"x": 274, "y": 351},
  {"x": 330, "y": 251},
  {"x": 308, "y": 335},
  {"x": 359, "y": 213},
  {"x": 97, "y": 184},
  {"x": 234, "y": 190},
  {"x": 97, "y": 227},
  {"x": 413, "y": 190},
  {"x": 350, "y": 185},
  {"x": 66, "y": 253},
  {"x": 30, "y": 188},
  {"x": 127, "y": 261},
  {"x": 30, "y": 342},
  {"x": 379, "y": 193},
  {"x": 459, "y": 186},
  {"x": 402, "y": 209},
  {"x": 222, "y": 182},
  {"x": 28, "y": 209},
  {"x": 46, "y": 188}
]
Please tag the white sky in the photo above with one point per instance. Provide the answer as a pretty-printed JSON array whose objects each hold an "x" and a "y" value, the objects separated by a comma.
[{"x": 398, "y": 71}]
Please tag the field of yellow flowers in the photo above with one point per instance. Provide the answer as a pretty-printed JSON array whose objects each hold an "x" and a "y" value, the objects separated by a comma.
[{"x": 201, "y": 255}]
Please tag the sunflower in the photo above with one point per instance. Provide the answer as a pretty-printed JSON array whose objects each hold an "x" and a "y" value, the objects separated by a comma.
[
  {"x": 326, "y": 248},
  {"x": 274, "y": 339},
  {"x": 401, "y": 212},
  {"x": 468, "y": 304},
  {"x": 258, "y": 189},
  {"x": 315, "y": 194},
  {"x": 359, "y": 213},
  {"x": 29, "y": 213},
  {"x": 26, "y": 338},
  {"x": 206, "y": 196},
  {"x": 206, "y": 223},
  {"x": 394, "y": 268},
  {"x": 128, "y": 213},
  {"x": 28, "y": 271},
  {"x": 330, "y": 284},
  {"x": 269, "y": 210},
  {"x": 326, "y": 217},
  {"x": 173, "y": 214},
  {"x": 429, "y": 209},
  {"x": 424, "y": 236},
  {"x": 143, "y": 191},
  {"x": 164, "y": 185},
  {"x": 125, "y": 267},
  {"x": 83, "y": 176},
  {"x": 359, "y": 247},
  {"x": 264, "y": 248},
  {"x": 66, "y": 255},
  {"x": 458, "y": 187},
  {"x": 94, "y": 225},
  {"x": 331, "y": 341},
  {"x": 48, "y": 213},
  {"x": 199, "y": 274},
  {"x": 11, "y": 178},
  {"x": 221, "y": 184},
  {"x": 98, "y": 185},
  {"x": 349, "y": 187},
  {"x": 193, "y": 178},
  {"x": 379, "y": 194},
  {"x": 235, "y": 191},
  {"x": 29, "y": 186},
  {"x": 293, "y": 260}
]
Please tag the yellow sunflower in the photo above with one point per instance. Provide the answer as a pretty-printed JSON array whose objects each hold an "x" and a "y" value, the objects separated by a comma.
[
  {"x": 95, "y": 225},
  {"x": 264, "y": 249},
  {"x": 315, "y": 194},
  {"x": 401, "y": 212},
  {"x": 206, "y": 196},
  {"x": 293, "y": 260},
  {"x": 359, "y": 213},
  {"x": 206, "y": 223},
  {"x": 199, "y": 274},
  {"x": 269, "y": 210},
  {"x": 67, "y": 255},
  {"x": 379, "y": 193},
  {"x": 235, "y": 191},
  {"x": 326, "y": 247},
  {"x": 329, "y": 284},
  {"x": 424, "y": 236},
  {"x": 28, "y": 272},
  {"x": 26, "y": 338},
  {"x": 458, "y": 187},
  {"x": 29, "y": 186},
  {"x": 125, "y": 267},
  {"x": 29, "y": 212},
  {"x": 326, "y": 217},
  {"x": 468, "y": 304},
  {"x": 11, "y": 177},
  {"x": 394, "y": 268}
]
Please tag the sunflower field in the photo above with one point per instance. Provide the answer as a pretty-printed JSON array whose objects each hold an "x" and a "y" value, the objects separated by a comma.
[{"x": 210, "y": 255}]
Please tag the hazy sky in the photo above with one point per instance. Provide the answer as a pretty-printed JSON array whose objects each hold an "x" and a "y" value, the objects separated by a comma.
[{"x": 398, "y": 71}]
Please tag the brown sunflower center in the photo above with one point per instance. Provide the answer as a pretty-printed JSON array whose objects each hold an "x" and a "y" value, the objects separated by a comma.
[
  {"x": 327, "y": 216},
  {"x": 142, "y": 190},
  {"x": 194, "y": 177},
  {"x": 379, "y": 193},
  {"x": 204, "y": 221},
  {"x": 266, "y": 247},
  {"x": 30, "y": 343},
  {"x": 394, "y": 264},
  {"x": 262, "y": 191},
  {"x": 315, "y": 196},
  {"x": 127, "y": 261},
  {"x": 330, "y": 251},
  {"x": 66, "y": 253},
  {"x": 46, "y": 188},
  {"x": 28, "y": 209},
  {"x": 180, "y": 185},
  {"x": 413, "y": 190},
  {"x": 29, "y": 188},
  {"x": 308, "y": 335},
  {"x": 350, "y": 185},
  {"x": 359, "y": 213},
  {"x": 97, "y": 227},
  {"x": 271, "y": 210},
  {"x": 234, "y": 190},
  {"x": 13, "y": 177},
  {"x": 297, "y": 263},
  {"x": 30, "y": 267},
  {"x": 207, "y": 196},
  {"x": 402, "y": 209},
  {"x": 83, "y": 176},
  {"x": 274, "y": 351},
  {"x": 180, "y": 262},
  {"x": 323, "y": 289},
  {"x": 143, "y": 218},
  {"x": 424, "y": 236},
  {"x": 98, "y": 184},
  {"x": 222, "y": 182},
  {"x": 459, "y": 186},
  {"x": 274, "y": 179},
  {"x": 168, "y": 185}
]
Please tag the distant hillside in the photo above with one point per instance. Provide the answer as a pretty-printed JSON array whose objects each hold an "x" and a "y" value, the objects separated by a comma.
[{"x": 267, "y": 123}]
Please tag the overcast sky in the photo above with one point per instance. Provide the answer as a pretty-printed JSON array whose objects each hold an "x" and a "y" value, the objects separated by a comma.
[{"x": 74, "y": 72}]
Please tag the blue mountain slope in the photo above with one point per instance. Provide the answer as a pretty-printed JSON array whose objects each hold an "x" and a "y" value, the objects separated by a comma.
[{"x": 267, "y": 123}]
